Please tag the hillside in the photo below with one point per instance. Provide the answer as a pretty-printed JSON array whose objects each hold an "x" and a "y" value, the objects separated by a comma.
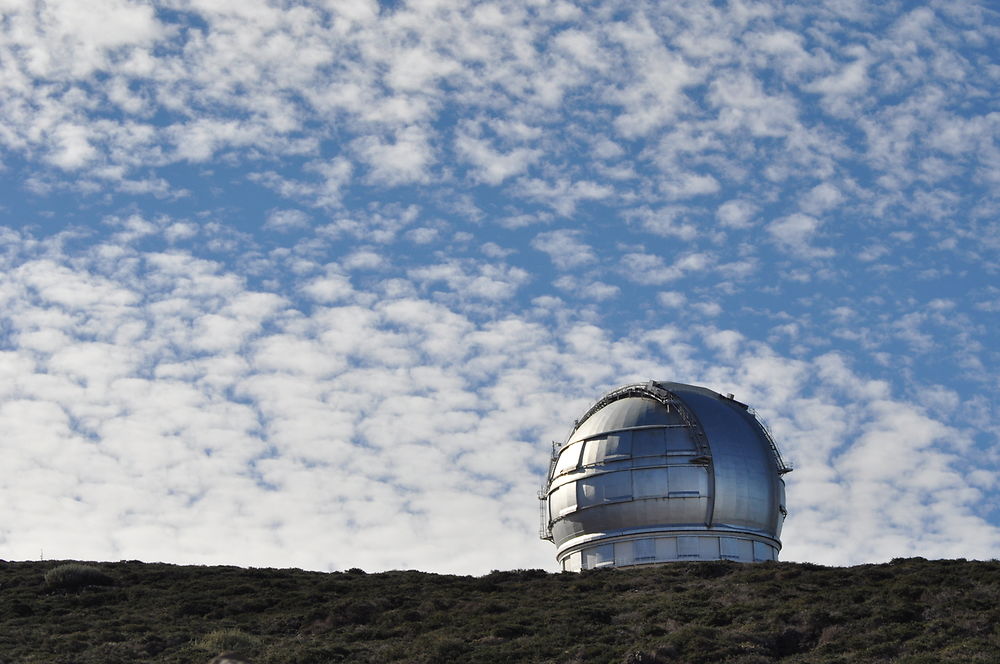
[{"x": 910, "y": 610}]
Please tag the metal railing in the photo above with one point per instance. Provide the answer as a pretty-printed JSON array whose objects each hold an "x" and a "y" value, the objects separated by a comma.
[{"x": 779, "y": 462}]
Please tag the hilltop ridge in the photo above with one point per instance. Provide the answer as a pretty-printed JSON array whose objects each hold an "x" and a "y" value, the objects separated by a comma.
[{"x": 909, "y": 610}]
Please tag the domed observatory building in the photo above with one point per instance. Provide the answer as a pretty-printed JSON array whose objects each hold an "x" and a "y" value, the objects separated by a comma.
[{"x": 661, "y": 472}]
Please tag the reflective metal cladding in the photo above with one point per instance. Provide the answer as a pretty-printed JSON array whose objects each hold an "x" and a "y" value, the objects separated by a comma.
[{"x": 659, "y": 472}]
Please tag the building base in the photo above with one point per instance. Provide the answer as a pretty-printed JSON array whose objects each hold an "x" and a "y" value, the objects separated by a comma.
[{"x": 652, "y": 549}]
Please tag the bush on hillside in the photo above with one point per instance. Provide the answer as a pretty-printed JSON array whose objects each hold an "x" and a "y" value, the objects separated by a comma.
[
  {"x": 228, "y": 639},
  {"x": 74, "y": 576}
]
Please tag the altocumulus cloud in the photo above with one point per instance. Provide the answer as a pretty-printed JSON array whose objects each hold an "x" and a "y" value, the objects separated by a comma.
[{"x": 318, "y": 285}]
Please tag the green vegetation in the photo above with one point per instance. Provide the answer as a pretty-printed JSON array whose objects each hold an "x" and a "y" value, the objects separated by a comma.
[
  {"x": 74, "y": 576},
  {"x": 228, "y": 639},
  {"x": 909, "y": 611}
]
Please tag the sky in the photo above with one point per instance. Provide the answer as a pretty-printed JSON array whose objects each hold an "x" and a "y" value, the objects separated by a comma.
[{"x": 316, "y": 284}]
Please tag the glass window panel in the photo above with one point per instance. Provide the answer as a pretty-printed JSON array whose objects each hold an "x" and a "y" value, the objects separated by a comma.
[
  {"x": 604, "y": 488},
  {"x": 649, "y": 482},
  {"x": 614, "y": 446},
  {"x": 647, "y": 442},
  {"x": 569, "y": 459},
  {"x": 599, "y": 556},
  {"x": 666, "y": 548},
  {"x": 708, "y": 548},
  {"x": 644, "y": 550},
  {"x": 562, "y": 500},
  {"x": 687, "y": 547},
  {"x": 619, "y": 445},
  {"x": 572, "y": 562},
  {"x": 623, "y": 554},
  {"x": 730, "y": 547},
  {"x": 762, "y": 551},
  {"x": 592, "y": 450},
  {"x": 686, "y": 481},
  {"x": 617, "y": 486},
  {"x": 587, "y": 494}
]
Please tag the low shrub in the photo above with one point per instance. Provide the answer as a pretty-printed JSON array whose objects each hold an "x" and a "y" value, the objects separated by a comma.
[
  {"x": 228, "y": 639},
  {"x": 74, "y": 576}
]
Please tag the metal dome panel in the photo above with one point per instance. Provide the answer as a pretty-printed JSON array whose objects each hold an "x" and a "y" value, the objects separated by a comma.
[{"x": 623, "y": 414}]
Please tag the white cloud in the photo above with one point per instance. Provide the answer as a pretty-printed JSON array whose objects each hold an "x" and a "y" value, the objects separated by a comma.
[
  {"x": 406, "y": 158},
  {"x": 286, "y": 220},
  {"x": 564, "y": 248},
  {"x": 562, "y": 195},
  {"x": 72, "y": 147},
  {"x": 63, "y": 39},
  {"x": 743, "y": 105},
  {"x": 199, "y": 140},
  {"x": 422, "y": 235},
  {"x": 736, "y": 214},
  {"x": 587, "y": 290},
  {"x": 820, "y": 199},
  {"x": 665, "y": 222},
  {"x": 493, "y": 166},
  {"x": 364, "y": 259},
  {"x": 671, "y": 299},
  {"x": 709, "y": 309},
  {"x": 851, "y": 80},
  {"x": 688, "y": 185},
  {"x": 415, "y": 68},
  {"x": 727, "y": 342},
  {"x": 381, "y": 224},
  {"x": 486, "y": 281},
  {"x": 652, "y": 269},
  {"x": 795, "y": 233},
  {"x": 329, "y": 289},
  {"x": 654, "y": 93}
]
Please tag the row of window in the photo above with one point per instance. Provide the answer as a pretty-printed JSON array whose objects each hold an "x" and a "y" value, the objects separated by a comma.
[
  {"x": 623, "y": 445},
  {"x": 667, "y": 482},
  {"x": 666, "y": 549}
]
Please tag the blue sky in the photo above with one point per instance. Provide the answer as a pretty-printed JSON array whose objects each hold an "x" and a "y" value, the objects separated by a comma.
[{"x": 315, "y": 284}]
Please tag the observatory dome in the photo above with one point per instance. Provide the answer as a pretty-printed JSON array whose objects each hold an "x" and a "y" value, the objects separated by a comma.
[{"x": 661, "y": 472}]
